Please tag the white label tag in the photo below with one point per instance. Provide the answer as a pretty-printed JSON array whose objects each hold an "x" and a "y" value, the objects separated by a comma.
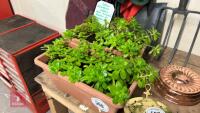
[
  {"x": 154, "y": 110},
  {"x": 104, "y": 12},
  {"x": 100, "y": 104}
]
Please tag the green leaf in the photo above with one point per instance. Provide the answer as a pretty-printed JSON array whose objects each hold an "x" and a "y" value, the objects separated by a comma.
[
  {"x": 123, "y": 74},
  {"x": 155, "y": 51},
  {"x": 118, "y": 92},
  {"x": 129, "y": 71},
  {"x": 105, "y": 86},
  {"x": 140, "y": 83},
  {"x": 115, "y": 74}
]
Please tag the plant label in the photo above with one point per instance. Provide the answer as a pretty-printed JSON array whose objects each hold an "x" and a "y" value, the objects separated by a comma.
[
  {"x": 100, "y": 104},
  {"x": 154, "y": 110},
  {"x": 104, "y": 12}
]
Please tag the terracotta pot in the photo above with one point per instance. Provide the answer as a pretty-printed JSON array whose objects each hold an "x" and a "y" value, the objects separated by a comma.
[{"x": 80, "y": 91}]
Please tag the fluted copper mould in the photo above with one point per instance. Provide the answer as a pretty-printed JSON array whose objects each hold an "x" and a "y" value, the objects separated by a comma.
[{"x": 179, "y": 85}]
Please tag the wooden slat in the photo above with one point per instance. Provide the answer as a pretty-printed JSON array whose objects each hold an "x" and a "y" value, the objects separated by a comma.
[
  {"x": 55, "y": 106},
  {"x": 63, "y": 100},
  {"x": 67, "y": 101}
]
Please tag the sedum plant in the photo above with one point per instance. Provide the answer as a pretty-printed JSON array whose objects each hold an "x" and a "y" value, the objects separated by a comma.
[{"x": 93, "y": 61}]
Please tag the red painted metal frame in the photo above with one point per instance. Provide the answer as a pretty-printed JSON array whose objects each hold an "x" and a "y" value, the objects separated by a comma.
[
  {"x": 12, "y": 56},
  {"x": 6, "y": 82},
  {"x": 17, "y": 28},
  {"x": 23, "y": 82},
  {"x": 5, "y": 74},
  {"x": 3, "y": 66},
  {"x": 27, "y": 48},
  {"x": 31, "y": 105},
  {"x": 11, "y": 7},
  {"x": 14, "y": 61},
  {"x": 5, "y": 9}
]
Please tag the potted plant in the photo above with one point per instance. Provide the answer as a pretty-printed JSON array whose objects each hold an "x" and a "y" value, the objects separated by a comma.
[{"x": 101, "y": 66}]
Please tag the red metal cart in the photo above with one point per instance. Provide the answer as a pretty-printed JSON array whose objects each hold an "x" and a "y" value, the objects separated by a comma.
[{"x": 19, "y": 45}]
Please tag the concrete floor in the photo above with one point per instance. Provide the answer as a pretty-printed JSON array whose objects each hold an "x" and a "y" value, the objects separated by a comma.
[{"x": 5, "y": 102}]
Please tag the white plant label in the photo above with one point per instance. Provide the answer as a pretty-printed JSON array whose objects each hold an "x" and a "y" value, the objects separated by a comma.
[
  {"x": 100, "y": 104},
  {"x": 154, "y": 110},
  {"x": 104, "y": 12}
]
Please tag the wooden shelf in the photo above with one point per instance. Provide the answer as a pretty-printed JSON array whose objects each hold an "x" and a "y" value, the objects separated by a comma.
[{"x": 59, "y": 101}]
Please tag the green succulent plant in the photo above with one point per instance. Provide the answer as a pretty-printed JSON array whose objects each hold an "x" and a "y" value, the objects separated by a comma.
[{"x": 91, "y": 64}]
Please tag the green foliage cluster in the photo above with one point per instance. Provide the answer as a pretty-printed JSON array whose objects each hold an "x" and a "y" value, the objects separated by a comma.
[{"x": 91, "y": 64}]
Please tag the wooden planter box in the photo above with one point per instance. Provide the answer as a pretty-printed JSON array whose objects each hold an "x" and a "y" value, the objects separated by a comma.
[{"x": 87, "y": 95}]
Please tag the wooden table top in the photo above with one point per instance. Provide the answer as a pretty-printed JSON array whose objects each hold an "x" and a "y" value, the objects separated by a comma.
[{"x": 73, "y": 104}]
